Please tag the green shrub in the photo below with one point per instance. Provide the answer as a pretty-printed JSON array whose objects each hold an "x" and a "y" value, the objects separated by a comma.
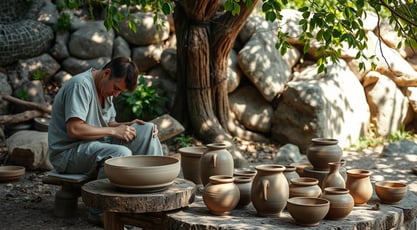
[
  {"x": 64, "y": 22},
  {"x": 144, "y": 103}
]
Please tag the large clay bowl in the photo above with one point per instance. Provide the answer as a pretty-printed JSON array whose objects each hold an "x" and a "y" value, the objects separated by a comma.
[
  {"x": 141, "y": 173},
  {"x": 308, "y": 211},
  {"x": 11, "y": 173},
  {"x": 390, "y": 192}
]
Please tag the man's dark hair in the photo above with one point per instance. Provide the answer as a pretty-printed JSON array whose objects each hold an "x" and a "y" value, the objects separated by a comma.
[{"x": 123, "y": 67}]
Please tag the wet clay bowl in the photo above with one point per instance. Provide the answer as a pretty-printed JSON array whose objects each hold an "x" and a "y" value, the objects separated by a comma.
[
  {"x": 390, "y": 192},
  {"x": 308, "y": 211},
  {"x": 141, "y": 173},
  {"x": 11, "y": 173}
]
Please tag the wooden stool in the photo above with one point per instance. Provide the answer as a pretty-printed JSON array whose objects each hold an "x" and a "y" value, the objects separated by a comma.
[
  {"x": 146, "y": 210},
  {"x": 66, "y": 200}
]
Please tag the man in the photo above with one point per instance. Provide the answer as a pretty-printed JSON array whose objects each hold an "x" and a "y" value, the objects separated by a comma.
[{"x": 83, "y": 132}]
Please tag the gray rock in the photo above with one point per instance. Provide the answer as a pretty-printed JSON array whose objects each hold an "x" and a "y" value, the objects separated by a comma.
[{"x": 399, "y": 148}]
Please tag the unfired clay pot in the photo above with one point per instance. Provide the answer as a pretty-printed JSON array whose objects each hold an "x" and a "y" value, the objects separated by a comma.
[
  {"x": 221, "y": 195},
  {"x": 269, "y": 190},
  {"x": 359, "y": 184},
  {"x": 304, "y": 187},
  {"x": 390, "y": 192},
  {"x": 290, "y": 173},
  {"x": 190, "y": 162},
  {"x": 334, "y": 178},
  {"x": 322, "y": 151},
  {"x": 244, "y": 184},
  {"x": 216, "y": 160},
  {"x": 308, "y": 211},
  {"x": 341, "y": 202}
]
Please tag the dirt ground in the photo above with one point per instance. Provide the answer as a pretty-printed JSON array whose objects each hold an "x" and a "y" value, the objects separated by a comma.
[{"x": 28, "y": 203}]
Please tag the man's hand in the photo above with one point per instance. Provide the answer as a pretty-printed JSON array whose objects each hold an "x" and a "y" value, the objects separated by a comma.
[{"x": 125, "y": 132}]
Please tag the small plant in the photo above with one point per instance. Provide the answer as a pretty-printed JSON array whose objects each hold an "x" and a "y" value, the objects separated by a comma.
[
  {"x": 22, "y": 94},
  {"x": 64, "y": 22},
  {"x": 38, "y": 75},
  {"x": 401, "y": 134},
  {"x": 183, "y": 141},
  {"x": 144, "y": 103}
]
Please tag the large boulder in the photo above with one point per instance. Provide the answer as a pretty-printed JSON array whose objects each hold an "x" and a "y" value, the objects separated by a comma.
[{"x": 321, "y": 105}]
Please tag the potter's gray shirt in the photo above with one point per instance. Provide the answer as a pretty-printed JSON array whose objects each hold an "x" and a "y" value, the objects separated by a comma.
[{"x": 76, "y": 98}]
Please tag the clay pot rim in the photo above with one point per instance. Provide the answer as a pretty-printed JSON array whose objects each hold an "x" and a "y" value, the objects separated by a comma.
[
  {"x": 192, "y": 151},
  {"x": 271, "y": 167},
  {"x": 218, "y": 145},
  {"x": 168, "y": 161},
  {"x": 336, "y": 190},
  {"x": 359, "y": 172},
  {"x": 242, "y": 179},
  {"x": 290, "y": 168},
  {"x": 244, "y": 172},
  {"x": 324, "y": 140},
  {"x": 337, "y": 163},
  {"x": 394, "y": 185},
  {"x": 221, "y": 178},
  {"x": 316, "y": 201},
  {"x": 304, "y": 181}
]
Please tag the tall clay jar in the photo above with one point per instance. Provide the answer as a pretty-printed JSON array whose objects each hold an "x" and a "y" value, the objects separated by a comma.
[
  {"x": 322, "y": 151},
  {"x": 221, "y": 195},
  {"x": 341, "y": 202},
  {"x": 304, "y": 187},
  {"x": 216, "y": 160},
  {"x": 270, "y": 190},
  {"x": 359, "y": 184},
  {"x": 334, "y": 178},
  {"x": 244, "y": 183},
  {"x": 190, "y": 162}
]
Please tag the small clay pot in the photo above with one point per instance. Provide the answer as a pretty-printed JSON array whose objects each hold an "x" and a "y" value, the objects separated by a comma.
[
  {"x": 304, "y": 187},
  {"x": 290, "y": 173},
  {"x": 334, "y": 178},
  {"x": 244, "y": 184},
  {"x": 269, "y": 190},
  {"x": 341, "y": 202},
  {"x": 300, "y": 167},
  {"x": 322, "y": 151},
  {"x": 308, "y": 211},
  {"x": 216, "y": 160},
  {"x": 390, "y": 192},
  {"x": 221, "y": 195},
  {"x": 359, "y": 185},
  {"x": 190, "y": 162}
]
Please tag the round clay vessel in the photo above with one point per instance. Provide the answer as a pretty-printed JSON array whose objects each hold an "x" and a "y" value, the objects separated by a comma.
[
  {"x": 216, "y": 160},
  {"x": 390, "y": 192},
  {"x": 11, "y": 172},
  {"x": 300, "y": 167},
  {"x": 322, "y": 151},
  {"x": 304, "y": 187},
  {"x": 290, "y": 173},
  {"x": 341, "y": 202},
  {"x": 334, "y": 178},
  {"x": 142, "y": 172},
  {"x": 308, "y": 211},
  {"x": 190, "y": 162},
  {"x": 221, "y": 195},
  {"x": 269, "y": 190},
  {"x": 244, "y": 184},
  {"x": 359, "y": 185}
]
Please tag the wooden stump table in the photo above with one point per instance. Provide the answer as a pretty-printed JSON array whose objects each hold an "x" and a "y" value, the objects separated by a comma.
[{"x": 145, "y": 210}]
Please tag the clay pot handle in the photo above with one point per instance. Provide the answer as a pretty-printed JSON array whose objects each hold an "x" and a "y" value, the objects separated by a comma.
[
  {"x": 214, "y": 160},
  {"x": 265, "y": 185}
]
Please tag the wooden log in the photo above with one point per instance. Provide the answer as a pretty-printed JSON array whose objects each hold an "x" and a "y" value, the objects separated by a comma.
[
  {"x": 20, "y": 117},
  {"x": 32, "y": 105}
]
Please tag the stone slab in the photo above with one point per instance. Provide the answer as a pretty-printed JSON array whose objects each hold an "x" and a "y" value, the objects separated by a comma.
[{"x": 398, "y": 216}]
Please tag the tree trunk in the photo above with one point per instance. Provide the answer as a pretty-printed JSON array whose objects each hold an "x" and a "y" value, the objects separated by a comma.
[{"x": 205, "y": 37}]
